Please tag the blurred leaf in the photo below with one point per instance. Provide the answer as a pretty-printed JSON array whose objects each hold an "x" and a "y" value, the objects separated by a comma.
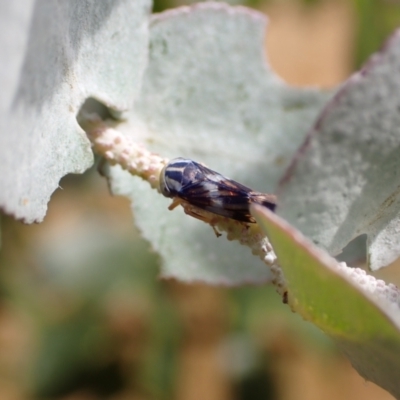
[
  {"x": 376, "y": 19},
  {"x": 67, "y": 349},
  {"x": 208, "y": 94},
  {"x": 367, "y": 330},
  {"x": 344, "y": 179}
]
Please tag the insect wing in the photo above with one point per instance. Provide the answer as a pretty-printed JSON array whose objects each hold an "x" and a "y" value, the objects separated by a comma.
[
  {"x": 234, "y": 195},
  {"x": 213, "y": 192}
]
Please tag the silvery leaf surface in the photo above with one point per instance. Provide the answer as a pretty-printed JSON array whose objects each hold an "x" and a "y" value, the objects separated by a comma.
[
  {"x": 54, "y": 56},
  {"x": 345, "y": 179},
  {"x": 209, "y": 94}
]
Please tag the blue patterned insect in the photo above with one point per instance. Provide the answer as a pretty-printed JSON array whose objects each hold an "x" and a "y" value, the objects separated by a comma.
[{"x": 186, "y": 181}]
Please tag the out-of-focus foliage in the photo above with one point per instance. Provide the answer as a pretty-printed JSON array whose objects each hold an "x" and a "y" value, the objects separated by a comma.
[
  {"x": 82, "y": 313},
  {"x": 374, "y": 19},
  {"x": 97, "y": 320}
]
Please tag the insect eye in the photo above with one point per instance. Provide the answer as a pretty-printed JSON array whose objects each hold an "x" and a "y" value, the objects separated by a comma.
[{"x": 163, "y": 184}]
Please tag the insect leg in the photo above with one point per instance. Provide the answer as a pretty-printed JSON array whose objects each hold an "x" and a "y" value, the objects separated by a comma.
[
  {"x": 201, "y": 215},
  {"x": 175, "y": 203}
]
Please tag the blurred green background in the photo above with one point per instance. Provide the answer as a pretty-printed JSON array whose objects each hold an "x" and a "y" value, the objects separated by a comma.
[{"x": 83, "y": 314}]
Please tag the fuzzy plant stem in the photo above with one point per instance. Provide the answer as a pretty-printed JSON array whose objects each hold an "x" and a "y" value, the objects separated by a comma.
[{"x": 120, "y": 149}]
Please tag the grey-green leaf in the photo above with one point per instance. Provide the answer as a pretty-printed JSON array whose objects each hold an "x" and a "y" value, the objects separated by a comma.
[
  {"x": 209, "y": 94},
  {"x": 54, "y": 56},
  {"x": 364, "y": 323},
  {"x": 345, "y": 179}
]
